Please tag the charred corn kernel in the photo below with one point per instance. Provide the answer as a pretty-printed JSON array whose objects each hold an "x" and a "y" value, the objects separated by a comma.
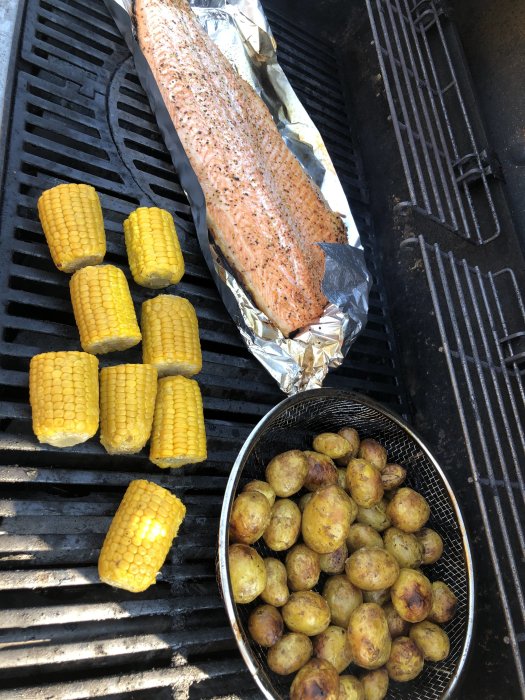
[
  {"x": 140, "y": 536},
  {"x": 170, "y": 336},
  {"x": 71, "y": 217},
  {"x": 103, "y": 309},
  {"x": 178, "y": 436},
  {"x": 63, "y": 393},
  {"x": 154, "y": 253},
  {"x": 127, "y": 402}
]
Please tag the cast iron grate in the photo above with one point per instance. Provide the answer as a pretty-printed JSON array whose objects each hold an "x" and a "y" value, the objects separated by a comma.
[{"x": 62, "y": 634}]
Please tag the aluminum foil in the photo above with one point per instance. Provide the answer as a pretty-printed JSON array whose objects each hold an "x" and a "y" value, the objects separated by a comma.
[{"x": 240, "y": 29}]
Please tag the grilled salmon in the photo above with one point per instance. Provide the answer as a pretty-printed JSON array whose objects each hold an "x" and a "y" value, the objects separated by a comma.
[{"x": 263, "y": 210}]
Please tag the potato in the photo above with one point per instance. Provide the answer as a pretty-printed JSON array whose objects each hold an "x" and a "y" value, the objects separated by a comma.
[
  {"x": 286, "y": 473},
  {"x": 396, "y": 625},
  {"x": 408, "y": 510},
  {"x": 342, "y": 598},
  {"x": 317, "y": 679},
  {"x": 341, "y": 478},
  {"x": 392, "y": 476},
  {"x": 368, "y": 636},
  {"x": 332, "y": 646},
  {"x": 380, "y": 597},
  {"x": 321, "y": 471},
  {"x": 285, "y": 525},
  {"x": 352, "y": 437},
  {"x": 444, "y": 603},
  {"x": 334, "y": 562},
  {"x": 327, "y": 518},
  {"x": 376, "y": 516},
  {"x": 351, "y": 688},
  {"x": 374, "y": 453},
  {"x": 266, "y": 625},
  {"x": 431, "y": 640},
  {"x": 371, "y": 568},
  {"x": 404, "y": 547},
  {"x": 306, "y": 612},
  {"x": 375, "y": 684},
  {"x": 331, "y": 444},
  {"x": 247, "y": 573},
  {"x": 302, "y": 568},
  {"x": 405, "y": 661},
  {"x": 431, "y": 543},
  {"x": 262, "y": 487},
  {"x": 303, "y": 501},
  {"x": 361, "y": 535},
  {"x": 276, "y": 590},
  {"x": 249, "y": 517},
  {"x": 290, "y": 653},
  {"x": 363, "y": 481},
  {"x": 412, "y": 595}
]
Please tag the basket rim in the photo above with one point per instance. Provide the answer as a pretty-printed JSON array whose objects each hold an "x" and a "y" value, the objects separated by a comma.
[{"x": 255, "y": 669}]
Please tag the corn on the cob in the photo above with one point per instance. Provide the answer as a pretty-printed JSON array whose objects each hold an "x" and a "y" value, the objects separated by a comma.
[
  {"x": 63, "y": 393},
  {"x": 103, "y": 309},
  {"x": 178, "y": 436},
  {"x": 71, "y": 217},
  {"x": 154, "y": 253},
  {"x": 127, "y": 402},
  {"x": 140, "y": 536},
  {"x": 170, "y": 336}
]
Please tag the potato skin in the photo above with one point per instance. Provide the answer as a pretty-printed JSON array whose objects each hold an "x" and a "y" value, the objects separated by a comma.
[
  {"x": 302, "y": 568},
  {"x": 342, "y": 598},
  {"x": 334, "y": 562},
  {"x": 444, "y": 603},
  {"x": 286, "y": 472},
  {"x": 375, "y": 684},
  {"x": 368, "y": 636},
  {"x": 432, "y": 641},
  {"x": 392, "y": 476},
  {"x": 276, "y": 591},
  {"x": 290, "y": 653},
  {"x": 317, "y": 679},
  {"x": 405, "y": 661},
  {"x": 262, "y": 487},
  {"x": 284, "y": 526},
  {"x": 249, "y": 517},
  {"x": 372, "y": 568},
  {"x": 247, "y": 573},
  {"x": 306, "y": 612},
  {"x": 304, "y": 500},
  {"x": 404, "y": 547},
  {"x": 408, "y": 510},
  {"x": 326, "y": 519},
  {"x": 341, "y": 478},
  {"x": 363, "y": 481},
  {"x": 380, "y": 597},
  {"x": 431, "y": 543},
  {"x": 373, "y": 452},
  {"x": 321, "y": 471},
  {"x": 331, "y": 444},
  {"x": 361, "y": 535},
  {"x": 265, "y": 625},
  {"x": 351, "y": 688},
  {"x": 332, "y": 646},
  {"x": 396, "y": 625},
  {"x": 352, "y": 437},
  {"x": 376, "y": 516},
  {"x": 412, "y": 595}
]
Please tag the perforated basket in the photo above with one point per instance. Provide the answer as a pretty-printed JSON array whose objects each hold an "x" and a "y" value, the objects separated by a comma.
[{"x": 292, "y": 425}]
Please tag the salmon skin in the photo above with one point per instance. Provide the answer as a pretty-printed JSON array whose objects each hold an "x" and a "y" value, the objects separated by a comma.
[{"x": 264, "y": 212}]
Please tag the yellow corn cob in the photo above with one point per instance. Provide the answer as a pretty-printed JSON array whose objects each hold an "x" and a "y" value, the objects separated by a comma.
[
  {"x": 127, "y": 402},
  {"x": 71, "y": 217},
  {"x": 140, "y": 536},
  {"x": 171, "y": 336},
  {"x": 154, "y": 253},
  {"x": 178, "y": 436},
  {"x": 103, "y": 309},
  {"x": 63, "y": 393}
]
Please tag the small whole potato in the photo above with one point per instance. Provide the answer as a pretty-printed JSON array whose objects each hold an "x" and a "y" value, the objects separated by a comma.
[
  {"x": 444, "y": 603},
  {"x": 361, "y": 535},
  {"x": 306, "y": 612},
  {"x": 290, "y": 653},
  {"x": 327, "y": 518},
  {"x": 341, "y": 478},
  {"x": 373, "y": 452},
  {"x": 317, "y": 679},
  {"x": 371, "y": 568},
  {"x": 276, "y": 591},
  {"x": 392, "y": 476},
  {"x": 321, "y": 471},
  {"x": 342, "y": 598},
  {"x": 405, "y": 661},
  {"x": 286, "y": 473},
  {"x": 352, "y": 437},
  {"x": 334, "y": 562},
  {"x": 396, "y": 625},
  {"x": 408, "y": 510},
  {"x": 262, "y": 487},
  {"x": 375, "y": 684},
  {"x": 431, "y": 640},
  {"x": 284, "y": 526},
  {"x": 302, "y": 568},
  {"x": 331, "y": 444},
  {"x": 380, "y": 597},
  {"x": 304, "y": 500},
  {"x": 266, "y": 625},
  {"x": 412, "y": 595},
  {"x": 351, "y": 688},
  {"x": 247, "y": 573},
  {"x": 332, "y": 646},
  {"x": 376, "y": 516},
  {"x": 404, "y": 547},
  {"x": 249, "y": 517},
  {"x": 431, "y": 543},
  {"x": 363, "y": 481},
  {"x": 368, "y": 636}
]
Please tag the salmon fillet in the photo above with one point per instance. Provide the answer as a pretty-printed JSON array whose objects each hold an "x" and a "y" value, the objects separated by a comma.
[{"x": 264, "y": 212}]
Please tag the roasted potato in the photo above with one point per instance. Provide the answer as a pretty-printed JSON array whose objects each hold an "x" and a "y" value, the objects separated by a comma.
[
  {"x": 247, "y": 573},
  {"x": 374, "y": 453},
  {"x": 266, "y": 625},
  {"x": 286, "y": 473},
  {"x": 317, "y": 679},
  {"x": 290, "y": 653},
  {"x": 342, "y": 598},
  {"x": 334, "y": 562},
  {"x": 375, "y": 684},
  {"x": 302, "y": 568},
  {"x": 380, "y": 597},
  {"x": 327, "y": 518},
  {"x": 352, "y": 437},
  {"x": 262, "y": 487},
  {"x": 412, "y": 595},
  {"x": 431, "y": 640},
  {"x": 306, "y": 612},
  {"x": 376, "y": 516},
  {"x": 405, "y": 661},
  {"x": 396, "y": 625},
  {"x": 363, "y": 482},
  {"x": 351, "y": 688},
  {"x": 392, "y": 476},
  {"x": 341, "y": 478},
  {"x": 284, "y": 526},
  {"x": 331, "y": 444},
  {"x": 404, "y": 547},
  {"x": 408, "y": 510},
  {"x": 304, "y": 500},
  {"x": 444, "y": 603},
  {"x": 368, "y": 636},
  {"x": 371, "y": 568},
  {"x": 249, "y": 517},
  {"x": 361, "y": 535},
  {"x": 276, "y": 590},
  {"x": 431, "y": 543},
  {"x": 321, "y": 471},
  {"x": 332, "y": 646}
]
